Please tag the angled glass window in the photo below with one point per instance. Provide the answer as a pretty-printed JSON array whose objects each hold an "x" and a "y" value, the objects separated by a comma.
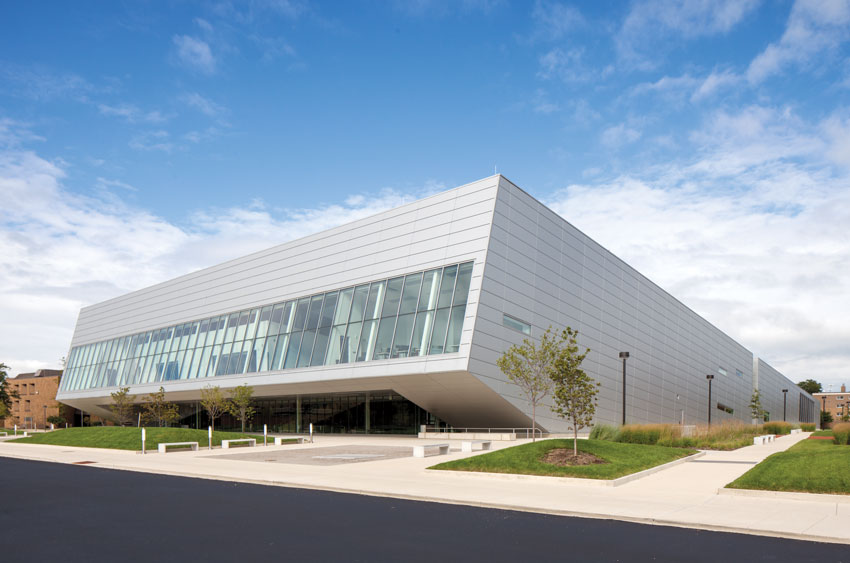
[{"x": 410, "y": 295}]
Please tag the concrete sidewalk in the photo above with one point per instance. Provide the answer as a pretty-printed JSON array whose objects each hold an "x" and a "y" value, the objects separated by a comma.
[{"x": 683, "y": 495}]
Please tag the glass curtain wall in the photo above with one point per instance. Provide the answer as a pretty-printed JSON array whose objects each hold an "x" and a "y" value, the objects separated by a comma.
[{"x": 413, "y": 315}]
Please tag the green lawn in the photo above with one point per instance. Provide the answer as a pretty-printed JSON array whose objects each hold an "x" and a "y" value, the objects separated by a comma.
[
  {"x": 810, "y": 466},
  {"x": 118, "y": 438},
  {"x": 623, "y": 459}
]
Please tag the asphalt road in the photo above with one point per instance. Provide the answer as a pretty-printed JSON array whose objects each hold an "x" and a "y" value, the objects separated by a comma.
[{"x": 67, "y": 513}]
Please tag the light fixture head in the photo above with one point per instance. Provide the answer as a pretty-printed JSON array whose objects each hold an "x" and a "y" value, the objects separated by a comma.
[
  {"x": 709, "y": 376},
  {"x": 624, "y": 354},
  {"x": 785, "y": 390}
]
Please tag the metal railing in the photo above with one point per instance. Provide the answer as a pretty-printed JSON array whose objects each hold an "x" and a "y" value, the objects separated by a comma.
[{"x": 454, "y": 429}]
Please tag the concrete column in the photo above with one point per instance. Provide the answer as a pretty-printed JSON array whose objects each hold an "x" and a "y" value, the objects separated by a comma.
[
  {"x": 298, "y": 414},
  {"x": 368, "y": 413}
]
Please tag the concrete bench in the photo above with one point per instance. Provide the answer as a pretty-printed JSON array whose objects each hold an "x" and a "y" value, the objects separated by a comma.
[
  {"x": 796, "y": 430},
  {"x": 163, "y": 448},
  {"x": 470, "y": 445},
  {"x": 279, "y": 440},
  {"x": 4, "y": 433},
  {"x": 250, "y": 442},
  {"x": 762, "y": 440},
  {"x": 420, "y": 451}
]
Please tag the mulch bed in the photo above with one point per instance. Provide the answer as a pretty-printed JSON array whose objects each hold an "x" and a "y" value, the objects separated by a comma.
[{"x": 564, "y": 457}]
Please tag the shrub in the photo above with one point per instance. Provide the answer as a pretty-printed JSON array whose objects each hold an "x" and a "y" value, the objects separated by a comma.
[
  {"x": 649, "y": 434},
  {"x": 604, "y": 432},
  {"x": 778, "y": 427},
  {"x": 841, "y": 433},
  {"x": 807, "y": 426}
]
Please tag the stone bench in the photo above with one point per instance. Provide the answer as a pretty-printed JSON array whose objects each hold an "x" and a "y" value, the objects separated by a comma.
[
  {"x": 470, "y": 445},
  {"x": 279, "y": 440},
  {"x": 762, "y": 440},
  {"x": 250, "y": 442},
  {"x": 796, "y": 430},
  {"x": 163, "y": 448},
  {"x": 420, "y": 451}
]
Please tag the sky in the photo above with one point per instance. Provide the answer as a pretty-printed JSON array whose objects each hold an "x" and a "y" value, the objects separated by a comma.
[{"x": 707, "y": 143}]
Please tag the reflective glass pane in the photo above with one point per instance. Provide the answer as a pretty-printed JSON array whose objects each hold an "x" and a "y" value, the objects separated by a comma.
[
  {"x": 313, "y": 315},
  {"x": 367, "y": 340},
  {"x": 438, "y": 337},
  {"x": 193, "y": 336},
  {"x": 375, "y": 300},
  {"x": 186, "y": 364},
  {"x": 343, "y": 306},
  {"x": 263, "y": 322},
  {"x": 464, "y": 276},
  {"x": 280, "y": 352},
  {"x": 241, "y": 326},
  {"x": 300, "y": 314},
  {"x": 392, "y": 297},
  {"x": 292, "y": 350},
  {"x": 358, "y": 304},
  {"x": 274, "y": 321},
  {"x": 335, "y": 345},
  {"x": 421, "y": 333},
  {"x": 349, "y": 344},
  {"x": 255, "y": 355},
  {"x": 266, "y": 363},
  {"x": 192, "y": 372},
  {"x": 328, "y": 309},
  {"x": 401, "y": 340},
  {"x": 204, "y": 366},
  {"x": 320, "y": 346},
  {"x": 385, "y": 338},
  {"x": 306, "y": 348},
  {"x": 252, "y": 324},
  {"x": 410, "y": 295},
  {"x": 203, "y": 330},
  {"x": 455, "y": 329},
  {"x": 147, "y": 344},
  {"x": 220, "y": 331},
  {"x": 430, "y": 290},
  {"x": 447, "y": 286},
  {"x": 287, "y": 321},
  {"x": 230, "y": 329}
]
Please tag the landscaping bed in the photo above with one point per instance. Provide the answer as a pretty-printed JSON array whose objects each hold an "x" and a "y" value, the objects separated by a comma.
[
  {"x": 724, "y": 436},
  {"x": 118, "y": 438},
  {"x": 530, "y": 459},
  {"x": 810, "y": 466}
]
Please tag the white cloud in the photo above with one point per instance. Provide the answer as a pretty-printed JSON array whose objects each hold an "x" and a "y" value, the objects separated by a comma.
[
  {"x": 152, "y": 141},
  {"x": 195, "y": 54},
  {"x": 814, "y": 26},
  {"x": 553, "y": 20},
  {"x": 131, "y": 113},
  {"x": 713, "y": 83},
  {"x": 751, "y": 233},
  {"x": 202, "y": 104},
  {"x": 619, "y": 135},
  {"x": 652, "y": 20},
  {"x": 62, "y": 251},
  {"x": 569, "y": 66}
]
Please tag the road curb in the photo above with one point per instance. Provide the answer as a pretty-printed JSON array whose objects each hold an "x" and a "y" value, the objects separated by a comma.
[{"x": 785, "y": 495}]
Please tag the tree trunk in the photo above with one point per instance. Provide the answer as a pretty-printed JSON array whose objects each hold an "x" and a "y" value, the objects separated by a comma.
[
  {"x": 243, "y": 422},
  {"x": 575, "y": 439},
  {"x": 533, "y": 422}
]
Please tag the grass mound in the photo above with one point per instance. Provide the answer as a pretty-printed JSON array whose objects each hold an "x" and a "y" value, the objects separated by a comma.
[
  {"x": 810, "y": 466},
  {"x": 529, "y": 459},
  {"x": 117, "y": 438}
]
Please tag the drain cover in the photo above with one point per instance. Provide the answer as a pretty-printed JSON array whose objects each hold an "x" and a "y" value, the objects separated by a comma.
[{"x": 83, "y": 462}]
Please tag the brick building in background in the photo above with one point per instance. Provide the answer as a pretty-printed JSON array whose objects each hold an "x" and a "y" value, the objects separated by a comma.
[
  {"x": 835, "y": 402},
  {"x": 36, "y": 400}
]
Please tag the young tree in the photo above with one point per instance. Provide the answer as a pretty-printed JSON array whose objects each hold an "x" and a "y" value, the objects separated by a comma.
[
  {"x": 574, "y": 391},
  {"x": 755, "y": 406},
  {"x": 810, "y": 386},
  {"x": 214, "y": 403},
  {"x": 122, "y": 405},
  {"x": 529, "y": 367},
  {"x": 159, "y": 411},
  {"x": 6, "y": 393},
  {"x": 56, "y": 420},
  {"x": 241, "y": 399}
]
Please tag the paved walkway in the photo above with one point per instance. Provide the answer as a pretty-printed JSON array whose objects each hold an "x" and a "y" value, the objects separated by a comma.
[{"x": 684, "y": 495}]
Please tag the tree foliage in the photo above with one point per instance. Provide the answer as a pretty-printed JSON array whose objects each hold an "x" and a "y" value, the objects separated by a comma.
[
  {"x": 122, "y": 405},
  {"x": 241, "y": 400},
  {"x": 529, "y": 367},
  {"x": 56, "y": 420},
  {"x": 756, "y": 409},
  {"x": 810, "y": 386},
  {"x": 6, "y": 393},
  {"x": 574, "y": 391},
  {"x": 158, "y": 411},
  {"x": 214, "y": 402}
]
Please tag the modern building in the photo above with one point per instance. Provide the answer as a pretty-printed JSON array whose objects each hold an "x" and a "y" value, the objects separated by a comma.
[
  {"x": 36, "y": 400},
  {"x": 398, "y": 320},
  {"x": 836, "y": 403}
]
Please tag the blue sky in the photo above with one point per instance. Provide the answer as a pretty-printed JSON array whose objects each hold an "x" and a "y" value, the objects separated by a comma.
[{"x": 706, "y": 142}]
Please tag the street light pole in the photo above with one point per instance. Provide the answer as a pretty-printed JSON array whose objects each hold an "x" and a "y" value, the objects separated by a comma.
[
  {"x": 709, "y": 377},
  {"x": 624, "y": 356},
  {"x": 784, "y": 402}
]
